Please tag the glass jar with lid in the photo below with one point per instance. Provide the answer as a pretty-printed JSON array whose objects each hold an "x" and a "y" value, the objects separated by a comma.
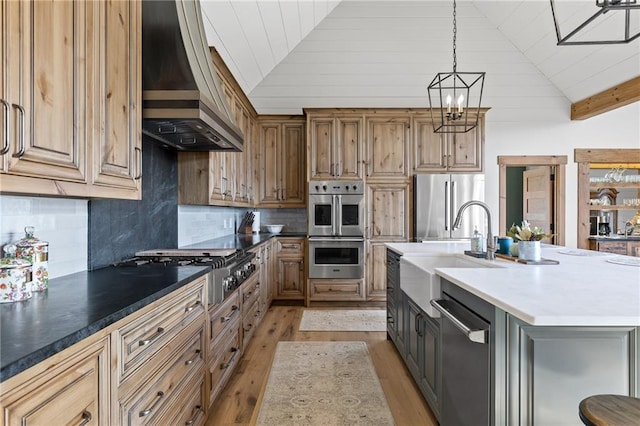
[
  {"x": 35, "y": 251},
  {"x": 15, "y": 277}
]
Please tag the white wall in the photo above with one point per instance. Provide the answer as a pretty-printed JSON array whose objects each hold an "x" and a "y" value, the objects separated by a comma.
[
  {"x": 556, "y": 135},
  {"x": 63, "y": 223}
]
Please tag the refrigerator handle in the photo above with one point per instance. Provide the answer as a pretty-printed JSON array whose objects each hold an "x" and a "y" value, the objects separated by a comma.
[
  {"x": 454, "y": 200},
  {"x": 447, "y": 216}
]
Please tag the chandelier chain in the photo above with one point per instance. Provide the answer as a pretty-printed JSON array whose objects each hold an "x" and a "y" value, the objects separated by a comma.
[{"x": 455, "y": 63}]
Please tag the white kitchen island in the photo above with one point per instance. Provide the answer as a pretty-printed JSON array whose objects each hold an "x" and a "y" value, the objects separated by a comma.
[{"x": 560, "y": 332}]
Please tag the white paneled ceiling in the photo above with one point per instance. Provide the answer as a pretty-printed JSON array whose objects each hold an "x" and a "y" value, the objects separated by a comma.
[{"x": 288, "y": 54}]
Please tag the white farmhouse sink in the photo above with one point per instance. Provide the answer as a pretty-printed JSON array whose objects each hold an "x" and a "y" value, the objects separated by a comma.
[{"x": 418, "y": 278}]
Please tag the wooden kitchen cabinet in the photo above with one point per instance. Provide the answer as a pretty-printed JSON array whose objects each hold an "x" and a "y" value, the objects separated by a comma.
[
  {"x": 73, "y": 98},
  {"x": 388, "y": 211},
  {"x": 73, "y": 388},
  {"x": 225, "y": 342},
  {"x": 282, "y": 170},
  {"x": 376, "y": 271},
  {"x": 161, "y": 356},
  {"x": 628, "y": 248},
  {"x": 335, "y": 146},
  {"x": 290, "y": 282},
  {"x": 337, "y": 290},
  {"x": 388, "y": 147},
  {"x": 446, "y": 152}
]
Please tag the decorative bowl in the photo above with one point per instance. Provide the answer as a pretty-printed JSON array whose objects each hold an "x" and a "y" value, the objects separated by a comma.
[{"x": 274, "y": 229}]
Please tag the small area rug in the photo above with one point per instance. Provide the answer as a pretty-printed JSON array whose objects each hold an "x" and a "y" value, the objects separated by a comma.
[
  {"x": 323, "y": 383},
  {"x": 343, "y": 320}
]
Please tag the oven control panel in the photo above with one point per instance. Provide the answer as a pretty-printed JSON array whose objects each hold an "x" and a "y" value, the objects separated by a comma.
[{"x": 336, "y": 187}]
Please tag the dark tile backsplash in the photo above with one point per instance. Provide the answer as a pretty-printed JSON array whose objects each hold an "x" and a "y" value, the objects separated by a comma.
[{"x": 119, "y": 228}]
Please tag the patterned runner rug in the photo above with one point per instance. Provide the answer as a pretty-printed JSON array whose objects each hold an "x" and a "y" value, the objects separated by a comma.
[
  {"x": 323, "y": 383},
  {"x": 343, "y": 320}
]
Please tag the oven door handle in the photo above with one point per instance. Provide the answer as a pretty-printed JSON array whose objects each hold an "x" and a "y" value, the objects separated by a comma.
[
  {"x": 477, "y": 335},
  {"x": 339, "y": 214},
  {"x": 334, "y": 219},
  {"x": 336, "y": 240}
]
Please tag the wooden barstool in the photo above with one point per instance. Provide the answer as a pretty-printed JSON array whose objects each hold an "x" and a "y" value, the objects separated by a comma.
[{"x": 610, "y": 410}]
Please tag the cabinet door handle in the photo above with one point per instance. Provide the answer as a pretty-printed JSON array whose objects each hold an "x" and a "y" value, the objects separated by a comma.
[
  {"x": 6, "y": 108},
  {"x": 193, "y": 359},
  {"x": 196, "y": 412},
  {"x": 86, "y": 418},
  {"x": 193, "y": 306},
  {"x": 149, "y": 410},
  {"x": 150, "y": 339},
  {"x": 227, "y": 364},
  {"x": 138, "y": 152},
  {"x": 21, "y": 139},
  {"x": 234, "y": 310}
]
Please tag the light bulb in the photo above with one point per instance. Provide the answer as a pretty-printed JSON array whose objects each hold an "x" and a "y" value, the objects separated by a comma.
[
  {"x": 448, "y": 103},
  {"x": 460, "y": 100}
]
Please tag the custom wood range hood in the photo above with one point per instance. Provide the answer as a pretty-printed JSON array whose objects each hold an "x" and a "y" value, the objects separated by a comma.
[{"x": 183, "y": 104}]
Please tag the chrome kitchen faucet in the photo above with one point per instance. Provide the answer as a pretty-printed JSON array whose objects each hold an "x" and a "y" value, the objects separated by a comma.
[{"x": 491, "y": 240}]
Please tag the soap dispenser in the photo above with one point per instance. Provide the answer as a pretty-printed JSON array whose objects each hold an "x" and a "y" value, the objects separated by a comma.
[{"x": 476, "y": 241}]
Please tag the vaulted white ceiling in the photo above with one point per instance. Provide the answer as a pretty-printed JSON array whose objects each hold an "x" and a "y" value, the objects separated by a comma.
[{"x": 288, "y": 54}]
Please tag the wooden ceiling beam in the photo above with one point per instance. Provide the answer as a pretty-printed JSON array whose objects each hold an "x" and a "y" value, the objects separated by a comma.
[{"x": 615, "y": 97}]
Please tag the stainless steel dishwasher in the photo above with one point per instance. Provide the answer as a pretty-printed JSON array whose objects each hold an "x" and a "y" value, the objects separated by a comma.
[{"x": 466, "y": 357}]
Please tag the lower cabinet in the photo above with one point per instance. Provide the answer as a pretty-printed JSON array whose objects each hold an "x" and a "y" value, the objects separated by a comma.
[
  {"x": 422, "y": 352},
  {"x": 290, "y": 279},
  {"x": 74, "y": 389},
  {"x": 629, "y": 248},
  {"x": 551, "y": 369},
  {"x": 224, "y": 344},
  {"x": 336, "y": 290}
]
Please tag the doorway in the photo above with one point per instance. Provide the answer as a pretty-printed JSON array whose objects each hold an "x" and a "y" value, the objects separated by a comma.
[{"x": 533, "y": 188}]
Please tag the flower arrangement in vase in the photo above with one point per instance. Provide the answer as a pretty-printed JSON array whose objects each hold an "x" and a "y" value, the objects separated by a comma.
[{"x": 527, "y": 240}]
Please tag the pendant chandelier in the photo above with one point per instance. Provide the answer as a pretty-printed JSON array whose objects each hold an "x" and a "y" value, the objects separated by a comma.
[
  {"x": 463, "y": 88},
  {"x": 611, "y": 22}
]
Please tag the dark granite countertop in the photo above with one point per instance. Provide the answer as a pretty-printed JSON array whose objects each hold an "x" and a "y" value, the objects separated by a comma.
[
  {"x": 78, "y": 305},
  {"x": 240, "y": 241},
  {"x": 616, "y": 238}
]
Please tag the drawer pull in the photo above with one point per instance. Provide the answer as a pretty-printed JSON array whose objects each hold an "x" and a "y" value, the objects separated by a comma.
[
  {"x": 196, "y": 412},
  {"x": 192, "y": 360},
  {"x": 192, "y": 307},
  {"x": 227, "y": 364},
  {"x": 234, "y": 310},
  {"x": 86, "y": 418},
  {"x": 150, "y": 339},
  {"x": 248, "y": 328},
  {"x": 148, "y": 411}
]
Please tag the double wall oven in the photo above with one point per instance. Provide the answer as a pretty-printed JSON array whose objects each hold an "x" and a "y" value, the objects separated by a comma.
[{"x": 336, "y": 229}]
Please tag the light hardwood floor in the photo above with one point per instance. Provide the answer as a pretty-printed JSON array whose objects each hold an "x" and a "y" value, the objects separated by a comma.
[{"x": 239, "y": 402}]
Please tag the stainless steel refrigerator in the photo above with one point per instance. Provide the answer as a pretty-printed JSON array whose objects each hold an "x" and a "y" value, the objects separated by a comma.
[{"x": 437, "y": 198}]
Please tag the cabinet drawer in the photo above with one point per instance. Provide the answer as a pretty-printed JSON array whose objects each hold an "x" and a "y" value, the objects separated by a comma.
[
  {"x": 633, "y": 248},
  {"x": 144, "y": 336},
  {"x": 72, "y": 392},
  {"x": 250, "y": 292},
  {"x": 336, "y": 289},
  {"x": 147, "y": 404},
  {"x": 291, "y": 245},
  {"x": 189, "y": 406},
  {"x": 224, "y": 315},
  {"x": 250, "y": 320},
  {"x": 225, "y": 357}
]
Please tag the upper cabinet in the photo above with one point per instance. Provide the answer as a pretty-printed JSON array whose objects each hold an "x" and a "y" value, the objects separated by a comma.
[
  {"x": 71, "y": 95},
  {"x": 335, "y": 146},
  {"x": 447, "y": 152},
  {"x": 282, "y": 165},
  {"x": 388, "y": 147}
]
